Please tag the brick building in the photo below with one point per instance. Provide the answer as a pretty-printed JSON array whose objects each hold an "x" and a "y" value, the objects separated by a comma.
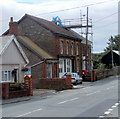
[{"x": 52, "y": 50}]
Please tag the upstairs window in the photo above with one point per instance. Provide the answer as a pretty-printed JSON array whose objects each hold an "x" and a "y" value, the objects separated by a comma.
[
  {"x": 61, "y": 47},
  {"x": 77, "y": 49},
  {"x": 72, "y": 49},
  {"x": 67, "y": 48}
]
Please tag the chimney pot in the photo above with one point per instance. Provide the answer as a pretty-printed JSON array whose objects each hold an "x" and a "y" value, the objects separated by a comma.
[{"x": 11, "y": 19}]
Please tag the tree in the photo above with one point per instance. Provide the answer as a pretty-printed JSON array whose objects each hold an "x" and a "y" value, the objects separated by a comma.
[
  {"x": 113, "y": 43},
  {"x": 97, "y": 60}
]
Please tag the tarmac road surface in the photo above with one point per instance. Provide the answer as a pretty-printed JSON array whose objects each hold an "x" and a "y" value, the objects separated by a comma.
[{"x": 97, "y": 100}]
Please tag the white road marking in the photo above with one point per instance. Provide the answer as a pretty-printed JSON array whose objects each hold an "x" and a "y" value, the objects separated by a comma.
[
  {"x": 29, "y": 112},
  {"x": 63, "y": 102},
  {"x": 68, "y": 100},
  {"x": 110, "y": 109},
  {"x": 107, "y": 112},
  {"x": 114, "y": 106},
  {"x": 93, "y": 93},
  {"x": 73, "y": 99}
]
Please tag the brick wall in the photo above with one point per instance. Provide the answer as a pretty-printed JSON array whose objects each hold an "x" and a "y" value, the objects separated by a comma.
[
  {"x": 56, "y": 83},
  {"x": 37, "y": 71}
]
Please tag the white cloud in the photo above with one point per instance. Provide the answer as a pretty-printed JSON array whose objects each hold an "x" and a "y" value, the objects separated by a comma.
[{"x": 17, "y": 8}]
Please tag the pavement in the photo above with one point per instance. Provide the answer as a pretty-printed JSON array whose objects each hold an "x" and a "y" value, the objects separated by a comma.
[
  {"x": 40, "y": 94},
  {"x": 37, "y": 93}
]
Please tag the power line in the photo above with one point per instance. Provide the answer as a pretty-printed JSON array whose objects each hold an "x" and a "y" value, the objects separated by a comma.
[
  {"x": 70, "y": 8},
  {"x": 106, "y": 17},
  {"x": 74, "y": 7},
  {"x": 105, "y": 25}
]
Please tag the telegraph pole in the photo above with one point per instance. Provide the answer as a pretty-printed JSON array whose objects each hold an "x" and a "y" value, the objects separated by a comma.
[
  {"x": 112, "y": 53},
  {"x": 87, "y": 41}
]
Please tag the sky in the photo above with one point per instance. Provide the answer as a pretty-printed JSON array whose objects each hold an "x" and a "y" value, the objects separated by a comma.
[{"x": 104, "y": 15}]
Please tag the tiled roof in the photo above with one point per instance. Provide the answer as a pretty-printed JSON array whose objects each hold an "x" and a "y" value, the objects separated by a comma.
[
  {"x": 34, "y": 47},
  {"x": 51, "y": 26}
]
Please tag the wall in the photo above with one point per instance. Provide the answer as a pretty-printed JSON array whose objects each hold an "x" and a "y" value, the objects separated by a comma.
[
  {"x": 68, "y": 55},
  {"x": 12, "y": 55},
  {"x": 56, "y": 83},
  {"x": 37, "y": 71}
]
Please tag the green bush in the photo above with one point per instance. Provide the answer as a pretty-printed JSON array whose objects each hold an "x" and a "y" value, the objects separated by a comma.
[{"x": 16, "y": 86}]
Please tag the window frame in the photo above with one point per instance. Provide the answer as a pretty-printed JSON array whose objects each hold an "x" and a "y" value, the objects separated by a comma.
[{"x": 6, "y": 76}]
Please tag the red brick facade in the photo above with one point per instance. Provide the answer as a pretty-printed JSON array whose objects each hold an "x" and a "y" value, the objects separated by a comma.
[{"x": 58, "y": 42}]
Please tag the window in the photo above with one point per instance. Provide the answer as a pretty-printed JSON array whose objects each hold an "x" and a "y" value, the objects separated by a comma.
[
  {"x": 64, "y": 66},
  {"x": 6, "y": 76},
  {"x": 68, "y": 65},
  {"x": 61, "y": 47},
  {"x": 67, "y": 48},
  {"x": 72, "y": 49},
  {"x": 60, "y": 66},
  {"x": 49, "y": 70},
  {"x": 77, "y": 49}
]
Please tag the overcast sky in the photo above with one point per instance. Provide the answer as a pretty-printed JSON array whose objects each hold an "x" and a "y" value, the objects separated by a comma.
[{"x": 103, "y": 13}]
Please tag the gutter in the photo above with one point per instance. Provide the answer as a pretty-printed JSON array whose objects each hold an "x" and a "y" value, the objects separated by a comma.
[{"x": 37, "y": 64}]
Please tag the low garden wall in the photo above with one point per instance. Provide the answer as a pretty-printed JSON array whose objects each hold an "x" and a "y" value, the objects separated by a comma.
[
  {"x": 15, "y": 90},
  {"x": 56, "y": 83},
  {"x": 101, "y": 74}
]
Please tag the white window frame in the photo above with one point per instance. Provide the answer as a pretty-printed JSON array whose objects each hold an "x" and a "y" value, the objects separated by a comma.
[
  {"x": 64, "y": 66},
  {"x": 6, "y": 76}
]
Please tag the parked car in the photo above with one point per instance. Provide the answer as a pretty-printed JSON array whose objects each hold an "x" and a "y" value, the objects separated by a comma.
[{"x": 76, "y": 79}]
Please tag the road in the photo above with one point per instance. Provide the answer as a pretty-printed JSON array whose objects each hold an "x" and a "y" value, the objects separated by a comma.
[{"x": 97, "y": 100}]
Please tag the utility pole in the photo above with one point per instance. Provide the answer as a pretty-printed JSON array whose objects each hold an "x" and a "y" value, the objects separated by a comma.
[
  {"x": 112, "y": 53},
  {"x": 87, "y": 41}
]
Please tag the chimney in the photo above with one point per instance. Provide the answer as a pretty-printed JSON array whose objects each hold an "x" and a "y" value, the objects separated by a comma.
[{"x": 13, "y": 27}]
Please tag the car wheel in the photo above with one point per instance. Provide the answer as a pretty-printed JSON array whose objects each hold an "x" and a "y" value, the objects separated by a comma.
[
  {"x": 76, "y": 83},
  {"x": 81, "y": 82}
]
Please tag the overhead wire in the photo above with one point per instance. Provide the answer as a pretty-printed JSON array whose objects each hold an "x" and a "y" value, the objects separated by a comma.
[
  {"x": 101, "y": 19},
  {"x": 70, "y": 8},
  {"x": 74, "y": 7},
  {"x": 105, "y": 25}
]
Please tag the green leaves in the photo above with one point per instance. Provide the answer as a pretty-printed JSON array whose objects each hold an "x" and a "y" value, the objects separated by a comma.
[{"x": 113, "y": 43}]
